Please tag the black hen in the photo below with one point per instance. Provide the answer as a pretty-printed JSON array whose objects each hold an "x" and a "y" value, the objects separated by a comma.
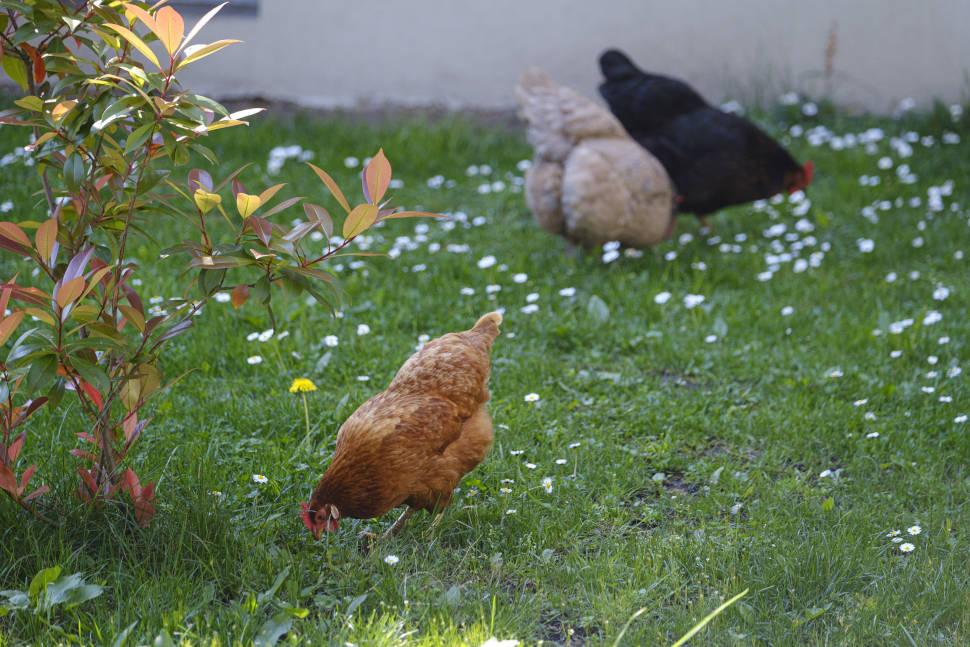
[{"x": 714, "y": 158}]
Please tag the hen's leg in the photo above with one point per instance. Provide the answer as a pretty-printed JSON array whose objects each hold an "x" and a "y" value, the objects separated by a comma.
[
  {"x": 397, "y": 525},
  {"x": 705, "y": 223},
  {"x": 368, "y": 538}
]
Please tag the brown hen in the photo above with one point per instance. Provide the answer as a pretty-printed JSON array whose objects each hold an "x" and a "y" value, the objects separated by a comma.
[{"x": 412, "y": 443}]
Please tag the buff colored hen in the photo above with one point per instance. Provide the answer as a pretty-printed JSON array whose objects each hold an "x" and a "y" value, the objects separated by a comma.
[
  {"x": 412, "y": 443},
  {"x": 590, "y": 182}
]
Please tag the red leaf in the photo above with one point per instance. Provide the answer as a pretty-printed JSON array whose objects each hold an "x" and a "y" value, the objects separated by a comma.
[
  {"x": 8, "y": 481},
  {"x": 13, "y": 238},
  {"x": 285, "y": 204},
  {"x": 28, "y": 295},
  {"x": 83, "y": 455},
  {"x": 37, "y": 63},
  {"x": 131, "y": 485},
  {"x": 129, "y": 424},
  {"x": 34, "y": 405},
  {"x": 14, "y": 450},
  {"x": 376, "y": 177},
  {"x": 88, "y": 489},
  {"x": 261, "y": 227},
  {"x": 199, "y": 179},
  {"x": 332, "y": 186},
  {"x": 93, "y": 394},
  {"x": 5, "y": 295},
  {"x": 142, "y": 498},
  {"x": 320, "y": 216},
  {"x": 237, "y": 187},
  {"x": 240, "y": 294},
  {"x": 43, "y": 489},
  {"x": 129, "y": 440},
  {"x": 144, "y": 512},
  {"x": 25, "y": 478},
  {"x": 133, "y": 298}
]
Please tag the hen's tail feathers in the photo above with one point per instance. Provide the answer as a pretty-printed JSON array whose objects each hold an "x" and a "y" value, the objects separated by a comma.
[
  {"x": 617, "y": 66},
  {"x": 558, "y": 117},
  {"x": 489, "y": 324}
]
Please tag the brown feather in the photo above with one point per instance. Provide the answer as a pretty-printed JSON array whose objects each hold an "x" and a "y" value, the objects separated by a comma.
[{"x": 413, "y": 442}]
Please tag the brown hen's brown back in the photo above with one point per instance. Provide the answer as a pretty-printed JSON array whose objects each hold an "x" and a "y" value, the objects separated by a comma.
[{"x": 412, "y": 443}]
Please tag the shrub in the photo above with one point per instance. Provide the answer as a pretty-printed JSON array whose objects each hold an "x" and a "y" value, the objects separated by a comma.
[{"x": 110, "y": 123}]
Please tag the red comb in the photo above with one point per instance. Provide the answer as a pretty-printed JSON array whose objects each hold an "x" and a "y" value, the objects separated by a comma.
[{"x": 809, "y": 170}]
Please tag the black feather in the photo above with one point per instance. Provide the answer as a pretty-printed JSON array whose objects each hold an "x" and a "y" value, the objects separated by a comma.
[{"x": 714, "y": 158}]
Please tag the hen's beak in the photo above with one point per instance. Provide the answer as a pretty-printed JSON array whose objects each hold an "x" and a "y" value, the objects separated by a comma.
[{"x": 317, "y": 532}]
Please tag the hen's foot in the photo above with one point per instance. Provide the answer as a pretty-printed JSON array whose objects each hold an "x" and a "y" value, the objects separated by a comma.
[{"x": 366, "y": 540}]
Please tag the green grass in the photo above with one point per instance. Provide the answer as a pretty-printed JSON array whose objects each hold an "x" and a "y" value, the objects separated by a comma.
[{"x": 697, "y": 473}]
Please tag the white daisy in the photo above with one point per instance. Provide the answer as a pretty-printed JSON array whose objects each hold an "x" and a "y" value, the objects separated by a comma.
[{"x": 693, "y": 300}]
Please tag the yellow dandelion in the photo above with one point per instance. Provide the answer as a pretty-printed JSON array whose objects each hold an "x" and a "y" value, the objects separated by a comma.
[{"x": 302, "y": 385}]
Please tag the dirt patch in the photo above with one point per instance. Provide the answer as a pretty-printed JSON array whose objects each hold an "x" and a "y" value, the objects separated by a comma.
[
  {"x": 672, "y": 484},
  {"x": 678, "y": 379},
  {"x": 556, "y": 630},
  {"x": 719, "y": 449}
]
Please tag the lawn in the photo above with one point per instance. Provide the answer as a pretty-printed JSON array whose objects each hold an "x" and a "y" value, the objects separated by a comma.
[{"x": 757, "y": 408}]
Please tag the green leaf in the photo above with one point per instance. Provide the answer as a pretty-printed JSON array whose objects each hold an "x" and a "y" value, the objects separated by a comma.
[
  {"x": 273, "y": 629},
  {"x": 116, "y": 111},
  {"x": 122, "y": 638},
  {"x": 209, "y": 281},
  {"x": 70, "y": 591},
  {"x": 16, "y": 70},
  {"x": 163, "y": 639},
  {"x": 138, "y": 137},
  {"x": 74, "y": 172},
  {"x": 42, "y": 372},
  {"x": 13, "y": 601},
  {"x": 41, "y": 580},
  {"x": 270, "y": 593},
  {"x": 355, "y": 603},
  {"x": 260, "y": 291},
  {"x": 34, "y": 104},
  {"x": 92, "y": 374}
]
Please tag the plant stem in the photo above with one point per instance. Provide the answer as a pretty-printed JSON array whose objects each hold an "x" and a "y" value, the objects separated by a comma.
[{"x": 306, "y": 416}]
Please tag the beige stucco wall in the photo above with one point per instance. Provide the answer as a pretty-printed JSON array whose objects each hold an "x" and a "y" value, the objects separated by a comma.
[{"x": 336, "y": 52}]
